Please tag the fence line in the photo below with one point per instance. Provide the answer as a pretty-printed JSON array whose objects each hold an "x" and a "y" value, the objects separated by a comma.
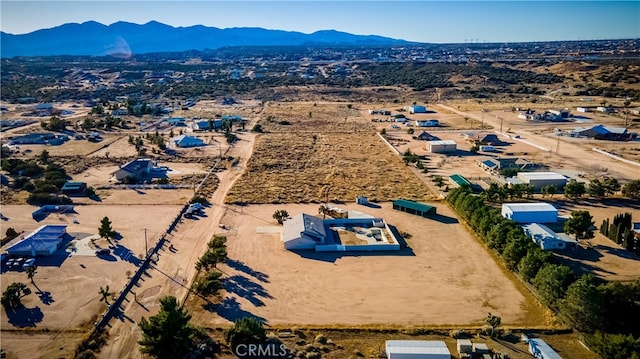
[
  {"x": 615, "y": 157},
  {"x": 146, "y": 186}
]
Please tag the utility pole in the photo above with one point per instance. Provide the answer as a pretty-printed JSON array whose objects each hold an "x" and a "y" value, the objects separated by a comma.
[{"x": 146, "y": 246}]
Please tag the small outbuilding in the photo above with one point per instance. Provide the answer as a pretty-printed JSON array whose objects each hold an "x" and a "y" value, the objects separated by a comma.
[
  {"x": 417, "y": 109},
  {"x": 417, "y": 208},
  {"x": 443, "y": 146},
  {"x": 538, "y": 212},
  {"x": 74, "y": 188},
  {"x": 417, "y": 349},
  {"x": 541, "y": 179},
  {"x": 464, "y": 346},
  {"x": 428, "y": 123},
  {"x": 459, "y": 181}
]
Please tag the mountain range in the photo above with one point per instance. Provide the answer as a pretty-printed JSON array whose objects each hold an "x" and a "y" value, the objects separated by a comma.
[{"x": 124, "y": 39}]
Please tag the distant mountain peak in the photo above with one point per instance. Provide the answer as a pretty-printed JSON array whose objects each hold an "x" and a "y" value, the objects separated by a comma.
[{"x": 96, "y": 39}]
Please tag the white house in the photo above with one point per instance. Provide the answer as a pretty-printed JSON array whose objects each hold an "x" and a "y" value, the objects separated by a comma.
[
  {"x": 187, "y": 141},
  {"x": 303, "y": 231},
  {"x": 418, "y": 349},
  {"x": 428, "y": 123},
  {"x": 539, "y": 212},
  {"x": 417, "y": 109},
  {"x": 136, "y": 169},
  {"x": 547, "y": 239},
  {"x": 44, "y": 241},
  {"x": 583, "y": 109}
]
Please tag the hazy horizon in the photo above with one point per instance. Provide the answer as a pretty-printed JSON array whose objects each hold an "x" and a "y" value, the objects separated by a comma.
[{"x": 415, "y": 21}]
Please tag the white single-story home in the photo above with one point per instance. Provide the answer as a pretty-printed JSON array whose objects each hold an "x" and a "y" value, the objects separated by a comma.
[
  {"x": 44, "y": 241},
  {"x": 547, "y": 239}
]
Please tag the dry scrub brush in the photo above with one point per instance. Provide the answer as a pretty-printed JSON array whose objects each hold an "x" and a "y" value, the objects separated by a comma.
[{"x": 305, "y": 167}]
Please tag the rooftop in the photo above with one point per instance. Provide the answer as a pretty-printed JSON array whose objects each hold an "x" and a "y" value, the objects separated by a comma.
[
  {"x": 529, "y": 207},
  {"x": 417, "y": 347},
  {"x": 460, "y": 180},
  {"x": 442, "y": 142},
  {"x": 541, "y": 175},
  {"x": 416, "y": 206}
]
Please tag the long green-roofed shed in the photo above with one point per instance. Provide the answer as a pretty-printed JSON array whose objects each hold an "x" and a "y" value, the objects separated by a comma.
[
  {"x": 417, "y": 208},
  {"x": 459, "y": 180}
]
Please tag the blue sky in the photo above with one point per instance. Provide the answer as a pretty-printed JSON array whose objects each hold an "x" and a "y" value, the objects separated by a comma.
[{"x": 421, "y": 21}]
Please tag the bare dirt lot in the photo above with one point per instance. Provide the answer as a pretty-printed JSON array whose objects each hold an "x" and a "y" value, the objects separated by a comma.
[
  {"x": 600, "y": 256},
  {"x": 66, "y": 286},
  {"x": 444, "y": 277}
]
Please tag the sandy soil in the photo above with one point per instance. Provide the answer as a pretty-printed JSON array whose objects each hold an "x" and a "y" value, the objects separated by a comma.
[
  {"x": 571, "y": 154},
  {"x": 283, "y": 287},
  {"x": 175, "y": 269},
  {"x": 66, "y": 287}
]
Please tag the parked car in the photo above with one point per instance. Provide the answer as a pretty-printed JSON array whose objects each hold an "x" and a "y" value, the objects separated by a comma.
[
  {"x": 28, "y": 263},
  {"x": 103, "y": 251}
]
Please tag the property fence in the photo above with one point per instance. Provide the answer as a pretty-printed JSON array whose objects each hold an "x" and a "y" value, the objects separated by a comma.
[
  {"x": 146, "y": 186},
  {"x": 115, "y": 306},
  {"x": 615, "y": 157}
]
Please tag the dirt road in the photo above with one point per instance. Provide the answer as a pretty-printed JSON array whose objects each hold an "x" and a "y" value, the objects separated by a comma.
[
  {"x": 174, "y": 271},
  {"x": 571, "y": 153}
]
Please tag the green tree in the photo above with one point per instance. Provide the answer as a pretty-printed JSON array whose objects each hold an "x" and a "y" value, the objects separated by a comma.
[
  {"x": 551, "y": 282},
  {"x": 531, "y": 263},
  {"x": 574, "y": 189},
  {"x": 168, "y": 334},
  {"x": 246, "y": 330},
  {"x": 44, "y": 156},
  {"x": 11, "y": 233},
  {"x": 12, "y": 296},
  {"x": 257, "y": 128},
  {"x": 583, "y": 304},
  {"x": 631, "y": 189},
  {"x": 105, "y": 230},
  {"x": 280, "y": 215},
  {"x": 493, "y": 321},
  {"x": 580, "y": 223},
  {"x": 31, "y": 272},
  {"x": 210, "y": 284}
]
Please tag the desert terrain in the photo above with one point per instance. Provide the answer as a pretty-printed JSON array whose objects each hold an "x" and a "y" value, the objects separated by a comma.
[{"x": 310, "y": 152}]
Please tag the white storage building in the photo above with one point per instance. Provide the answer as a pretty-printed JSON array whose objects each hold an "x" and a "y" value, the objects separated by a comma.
[
  {"x": 443, "y": 146},
  {"x": 539, "y": 212},
  {"x": 542, "y": 179},
  {"x": 541, "y": 350},
  {"x": 417, "y": 349}
]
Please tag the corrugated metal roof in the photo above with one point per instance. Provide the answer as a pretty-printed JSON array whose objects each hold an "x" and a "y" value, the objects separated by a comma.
[
  {"x": 417, "y": 206},
  {"x": 530, "y": 207},
  {"x": 417, "y": 347},
  {"x": 541, "y": 176}
]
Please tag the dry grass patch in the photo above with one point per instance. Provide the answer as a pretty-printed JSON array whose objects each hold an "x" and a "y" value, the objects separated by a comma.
[{"x": 302, "y": 168}]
